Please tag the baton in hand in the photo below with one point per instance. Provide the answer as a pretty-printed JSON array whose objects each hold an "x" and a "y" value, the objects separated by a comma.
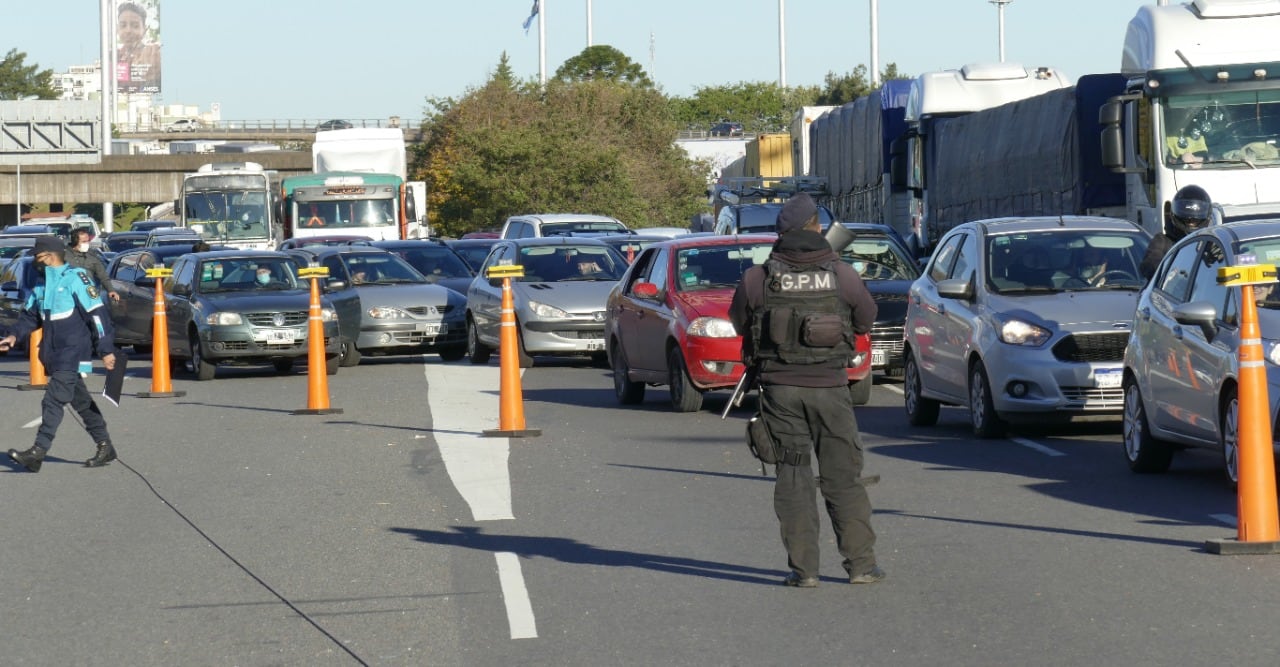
[{"x": 740, "y": 390}]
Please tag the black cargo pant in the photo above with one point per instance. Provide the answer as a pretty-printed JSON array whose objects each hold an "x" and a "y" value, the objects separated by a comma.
[
  {"x": 819, "y": 420},
  {"x": 67, "y": 387}
]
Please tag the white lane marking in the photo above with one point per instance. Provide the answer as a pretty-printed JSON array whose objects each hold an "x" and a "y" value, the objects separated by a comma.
[
  {"x": 460, "y": 410},
  {"x": 515, "y": 596},
  {"x": 33, "y": 423},
  {"x": 1048, "y": 451},
  {"x": 893, "y": 387},
  {"x": 1228, "y": 519}
]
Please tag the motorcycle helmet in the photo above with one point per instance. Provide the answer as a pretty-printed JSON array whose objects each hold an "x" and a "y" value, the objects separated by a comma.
[{"x": 1190, "y": 209}]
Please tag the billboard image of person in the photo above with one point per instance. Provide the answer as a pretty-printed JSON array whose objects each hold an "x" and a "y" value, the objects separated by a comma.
[{"x": 138, "y": 46}]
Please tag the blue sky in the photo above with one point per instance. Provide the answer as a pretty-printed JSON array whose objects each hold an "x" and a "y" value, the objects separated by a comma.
[{"x": 311, "y": 59}]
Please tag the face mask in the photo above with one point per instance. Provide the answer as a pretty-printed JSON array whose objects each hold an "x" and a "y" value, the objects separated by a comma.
[
  {"x": 83, "y": 247},
  {"x": 264, "y": 278}
]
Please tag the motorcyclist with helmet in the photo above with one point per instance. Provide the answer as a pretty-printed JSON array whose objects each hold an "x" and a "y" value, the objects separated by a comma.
[{"x": 1189, "y": 211}]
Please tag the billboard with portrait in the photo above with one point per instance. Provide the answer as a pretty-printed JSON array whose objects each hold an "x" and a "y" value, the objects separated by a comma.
[{"x": 138, "y": 46}]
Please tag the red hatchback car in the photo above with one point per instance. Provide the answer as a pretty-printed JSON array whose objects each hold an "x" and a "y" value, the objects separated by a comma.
[{"x": 667, "y": 321}]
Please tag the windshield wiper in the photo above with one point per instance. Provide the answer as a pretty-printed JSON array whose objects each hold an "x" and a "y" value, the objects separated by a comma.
[{"x": 1030, "y": 290}]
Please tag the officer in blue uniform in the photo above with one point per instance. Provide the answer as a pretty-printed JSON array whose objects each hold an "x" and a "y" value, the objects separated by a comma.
[
  {"x": 69, "y": 310},
  {"x": 799, "y": 313}
]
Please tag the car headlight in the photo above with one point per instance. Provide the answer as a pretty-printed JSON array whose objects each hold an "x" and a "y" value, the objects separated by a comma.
[
  {"x": 547, "y": 312},
  {"x": 1017, "y": 332},
  {"x": 222, "y": 319},
  {"x": 711, "y": 327},
  {"x": 387, "y": 313},
  {"x": 328, "y": 315}
]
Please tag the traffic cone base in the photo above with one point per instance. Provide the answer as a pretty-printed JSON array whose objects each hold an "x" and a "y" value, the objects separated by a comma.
[
  {"x": 1234, "y": 547},
  {"x": 505, "y": 433},
  {"x": 32, "y": 387},
  {"x": 160, "y": 394},
  {"x": 318, "y": 411}
]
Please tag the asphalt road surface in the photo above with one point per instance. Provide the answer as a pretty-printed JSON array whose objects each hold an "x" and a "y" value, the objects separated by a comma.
[{"x": 232, "y": 532}]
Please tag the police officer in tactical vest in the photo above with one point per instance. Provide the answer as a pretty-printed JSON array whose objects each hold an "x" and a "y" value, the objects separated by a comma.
[{"x": 799, "y": 313}]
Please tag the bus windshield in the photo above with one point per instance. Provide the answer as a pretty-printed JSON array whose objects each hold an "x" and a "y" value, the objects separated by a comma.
[{"x": 345, "y": 214}]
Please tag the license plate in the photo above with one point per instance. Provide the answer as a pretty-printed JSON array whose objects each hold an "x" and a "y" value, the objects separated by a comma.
[
  {"x": 279, "y": 336},
  {"x": 878, "y": 358},
  {"x": 1108, "y": 379},
  {"x": 430, "y": 328},
  {"x": 595, "y": 346}
]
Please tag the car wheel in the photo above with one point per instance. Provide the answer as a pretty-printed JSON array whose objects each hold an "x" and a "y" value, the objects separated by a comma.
[
  {"x": 1143, "y": 451},
  {"x": 1229, "y": 436},
  {"x": 477, "y": 352},
  {"x": 453, "y": 352},
  {"x": 202, "y": 369},
  {"x": 331, "y": 364},
  {"x": 627, "y": 392},
  {"x": 982, "y": 411},
  {"x": 921, "y": 411},
  {"x": 860, "y": 390},
  {"x": 349, "y": 356},
  {"x": 138, "y": 348},
  {"x": 684, "y": 396},
  {"x": 283, "y": 366}
]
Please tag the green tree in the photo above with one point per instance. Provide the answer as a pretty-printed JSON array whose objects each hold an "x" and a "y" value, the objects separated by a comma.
[
  {"x": 603, "y": 63},
  {"x": 504, "y": 74},
  {"x": 588, "y": 146},
  {"x": 20, "y": 81},
  {"x": 759, "y": 106},
  {"x": 842, "y": 88}
]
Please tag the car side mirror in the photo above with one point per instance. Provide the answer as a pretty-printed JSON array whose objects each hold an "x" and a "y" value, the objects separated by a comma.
[
  {"x": 645, "y": 290},
  {"x": 1200, "y": 314},
  {"x": 956, "y": 288},
  {"x": 181, "y": 290},
  {"x": 11, "y": 286},
  {"x": 335, "y": 284}
]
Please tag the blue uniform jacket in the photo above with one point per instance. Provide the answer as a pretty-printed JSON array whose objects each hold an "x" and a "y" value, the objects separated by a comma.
[{"x": 75, "y": 321}]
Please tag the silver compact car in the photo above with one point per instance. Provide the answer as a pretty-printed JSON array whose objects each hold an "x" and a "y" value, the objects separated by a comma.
[
  {"x": 559, "y": 303},
  {"x": 1023, "y": 319},
  {"x": 1182, "y": 362}
]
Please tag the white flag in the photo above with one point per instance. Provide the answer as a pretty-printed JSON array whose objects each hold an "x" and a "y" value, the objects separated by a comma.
[{"x": 533, "y": 13}]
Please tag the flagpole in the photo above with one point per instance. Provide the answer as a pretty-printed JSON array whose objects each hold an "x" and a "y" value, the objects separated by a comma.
[
  {"x": 782, "y": 43},
  {"x": 588, "y": 22},
  {"x": 542, "y": 42}
]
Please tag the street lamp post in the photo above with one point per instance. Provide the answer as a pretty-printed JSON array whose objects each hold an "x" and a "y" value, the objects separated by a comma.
[{"x": 1000, "y": 13}]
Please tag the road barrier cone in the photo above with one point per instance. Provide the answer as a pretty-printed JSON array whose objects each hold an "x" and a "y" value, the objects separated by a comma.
[
  {"x": 161, "y": 378},
  {"x": 317, "y": 374},
  {"x": 1257, "y": 525},
  {"x": 510, "y": 398},
  {"x": 39, "y": 380}
]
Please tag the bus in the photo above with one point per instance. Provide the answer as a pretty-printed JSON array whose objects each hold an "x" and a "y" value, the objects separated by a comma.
[
  {"x": 378, "y": 206},
  {"x": 232, "y": 204}
]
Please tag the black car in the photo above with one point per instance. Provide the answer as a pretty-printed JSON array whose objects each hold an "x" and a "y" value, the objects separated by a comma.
[
  {"x": 17, "y": 278},
  {"x": 433, "y": 259},
  {"x": 334, "y": 125},
  {"x": 887, "y": 269},
  {"x": 726, "y": 130},
  {"x": 148, "y": 225},
  {"x": 386, "y": 306},
  {"x": 122, "y": 241},
  {"x": 328, "y": 239},
  {"x": 219, "y": 312},
  {"x": 473, "y": 251},
  {"x": 132, "y": 314}
]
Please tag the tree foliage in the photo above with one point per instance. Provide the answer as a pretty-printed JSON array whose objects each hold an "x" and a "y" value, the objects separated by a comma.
[
  {"x": 603, "y": 63},
  {"x": 19, "y": 80},
  {"x": 842, "y": 88},
  {"x": 584, "y": 146},
  {"x": 759, "y": 106}
]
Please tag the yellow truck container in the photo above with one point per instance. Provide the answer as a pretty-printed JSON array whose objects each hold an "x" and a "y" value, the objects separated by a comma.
[{"x": 769, "y": 156}]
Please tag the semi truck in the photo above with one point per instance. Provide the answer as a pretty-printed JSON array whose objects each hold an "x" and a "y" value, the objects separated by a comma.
[
  {"x": 231, "y": 204},
  {"x": 358, "y": 187},
  {"x": 1201, "y": 106}
]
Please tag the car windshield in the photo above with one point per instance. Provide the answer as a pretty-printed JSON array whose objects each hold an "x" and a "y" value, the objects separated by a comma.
[
  {"x": 1235, "y": 129},
  {"x": 564, "y": 263},
  {"x": 1065, "y": 260},
  {"x": 582, "y": 226},
  {"x": 241, "y": 274},
  {"x": 436, "y": 263},
  {"x": 765, "y": 218},
  {"x": 717, "y": 266},
  {"x": 380, "y": 269},
  {"x": 117, "y": 243},
  {"x": 875, "y": 257}
]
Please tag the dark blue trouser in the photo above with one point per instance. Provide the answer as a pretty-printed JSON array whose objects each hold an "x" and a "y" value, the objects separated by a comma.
[
  {"x": 67, "y": 387},
  {"x": 819, "y": 420}
]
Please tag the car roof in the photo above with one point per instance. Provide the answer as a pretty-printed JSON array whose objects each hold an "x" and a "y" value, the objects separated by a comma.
[
  {"x": 1014, "y": 225},
  {"x": 354, "y": 249},
  {"x": 173, "y": 231},
  {"x": 406, "y": 243},
  {"x": 484, "y": 241},
  {"x": 42, "y": 228},
  {"x": 708, "y": 240},
  {"x": 1244, "y": 230},
  {"x": 556, "y": 240},
  {"x": 564, "y": 217}
]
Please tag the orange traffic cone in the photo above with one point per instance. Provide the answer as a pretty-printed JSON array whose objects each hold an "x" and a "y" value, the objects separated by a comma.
[
  {"x": 1257, "y": 525},
  {"x": 161, "y": 378},
  {"x": 510, "y": 398},
  {"x": 317, "y": 374},
  {"x": 39, "y": 380}
]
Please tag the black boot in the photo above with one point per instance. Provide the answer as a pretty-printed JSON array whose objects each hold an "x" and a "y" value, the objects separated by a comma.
[
  {"x": 106, "y": 454},
  {"x": 31, "y": 459}
]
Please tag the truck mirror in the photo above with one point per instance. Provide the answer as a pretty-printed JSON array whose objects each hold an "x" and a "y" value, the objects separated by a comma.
[{"x": 1113, "y": 147}]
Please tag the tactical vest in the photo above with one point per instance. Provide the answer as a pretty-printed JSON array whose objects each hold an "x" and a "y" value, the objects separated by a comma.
[{"x": 802, "y": 320}]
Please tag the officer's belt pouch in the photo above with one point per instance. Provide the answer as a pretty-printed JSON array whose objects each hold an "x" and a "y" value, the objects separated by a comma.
[
  {"x": 761, "y": 441},
  {"x": 821, "y": 330},
  {"x": 779, "y": 326}
]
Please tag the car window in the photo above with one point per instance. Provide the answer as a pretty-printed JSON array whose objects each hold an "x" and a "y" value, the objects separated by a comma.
[
  {"x": 183, "y": 275},
  {"x": 719, "y": 266},
  {"x": 878, "y": 258},
  {"x": 1205, "y": 286},
  {"x": 658, "y": 270},
  {"x": 644, "y": 264},
  {"x": 940, "y": 265},
  {"x": 966, "y": 258},
  {"x": 380, "y": 269},
  {"x": 336, "y": 268},
  {"x": 1177, "y": 275},
  {"x": 436, "y": 262},
  {"x": 563, "y": 263}
]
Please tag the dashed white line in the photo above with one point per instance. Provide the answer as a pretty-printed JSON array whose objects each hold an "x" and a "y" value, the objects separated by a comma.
[
  {"x": 896, "y": 388},
  {"x": 1047, "y": 451},
  {"x": 515, "y": 596},
  {"x": 1229, "y": 519}
]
